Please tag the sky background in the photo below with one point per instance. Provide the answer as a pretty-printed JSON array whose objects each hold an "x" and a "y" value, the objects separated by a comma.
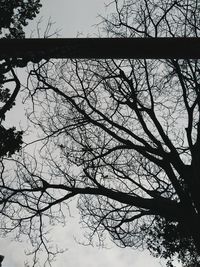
[{"x": 74, "y": 18}]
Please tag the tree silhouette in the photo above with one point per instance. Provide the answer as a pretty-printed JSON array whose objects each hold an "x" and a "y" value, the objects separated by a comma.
[
  {"x": 1, "y": 259},
  {"x": 14, "y": 17},
  {"x": 123, "y": 135}
]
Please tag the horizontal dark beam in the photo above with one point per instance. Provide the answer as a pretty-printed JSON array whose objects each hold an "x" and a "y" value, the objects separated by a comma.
[{"x": 101, "y": 48}]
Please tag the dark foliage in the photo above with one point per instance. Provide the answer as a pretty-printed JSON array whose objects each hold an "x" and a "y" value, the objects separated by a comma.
[
  {"x": 169, "y": 239},
  {"x": 14, "y": 16},
  {"x": 10, "y": 141}
]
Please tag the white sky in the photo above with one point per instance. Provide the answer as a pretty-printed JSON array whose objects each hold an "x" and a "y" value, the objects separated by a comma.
[{"x": 74, "y": 17}]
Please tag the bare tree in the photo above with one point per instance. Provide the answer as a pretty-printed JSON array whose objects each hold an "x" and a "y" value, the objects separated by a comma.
[{"x": 124, "y": 135}]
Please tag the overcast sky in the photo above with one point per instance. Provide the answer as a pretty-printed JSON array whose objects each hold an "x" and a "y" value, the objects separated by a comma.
[{"x": 72, "y": 18}]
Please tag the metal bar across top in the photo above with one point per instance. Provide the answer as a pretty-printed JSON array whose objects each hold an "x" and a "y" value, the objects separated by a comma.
[{"x": 101, "y": 48}]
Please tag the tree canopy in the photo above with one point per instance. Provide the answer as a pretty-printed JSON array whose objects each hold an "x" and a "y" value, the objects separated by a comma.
[
  {"x": 14, "y": 17},
  {"x": 123, "y": 135}
]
